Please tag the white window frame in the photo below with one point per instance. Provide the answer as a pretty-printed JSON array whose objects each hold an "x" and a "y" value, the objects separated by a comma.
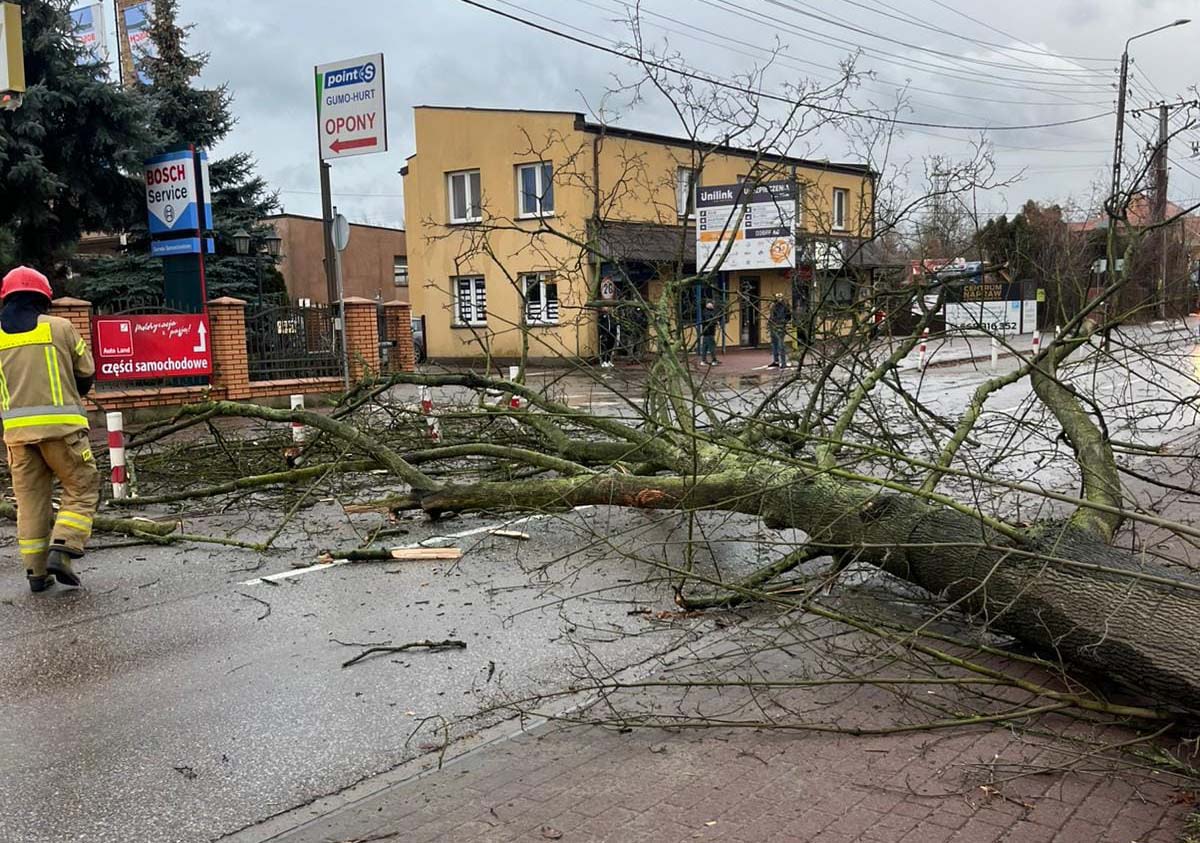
[
  {"x": 539, "y": 170},
  {"x": 546, "y": 314},
  {"x": 477, "y": 303},
  {"x": 473, "y": 202},
  {"x": 400, "y": 270},
  {"x": 839, "y": 220},
  {"x": 685, "y": 200}
]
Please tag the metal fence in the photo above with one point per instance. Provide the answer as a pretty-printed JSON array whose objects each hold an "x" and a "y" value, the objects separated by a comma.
[{"x": 292, "y": 341}]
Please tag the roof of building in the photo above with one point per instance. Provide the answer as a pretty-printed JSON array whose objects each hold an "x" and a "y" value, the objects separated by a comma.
[
  {"x": 582, "y": 124},
  {"x": 1141, "y": 213},
  {"x": 308, "y": 218}
]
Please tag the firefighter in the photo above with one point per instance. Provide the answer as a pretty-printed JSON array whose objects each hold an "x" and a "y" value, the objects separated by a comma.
[{"x": 45, "y": 369}]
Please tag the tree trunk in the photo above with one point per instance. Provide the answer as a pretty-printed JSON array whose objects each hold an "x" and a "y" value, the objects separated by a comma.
[{"x": 1059, "y": 590}]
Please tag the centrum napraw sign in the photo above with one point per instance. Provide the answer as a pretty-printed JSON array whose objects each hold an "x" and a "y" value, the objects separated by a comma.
[
  {"x": 160, "y": 345},
  {"x": 351, "y": 107}
]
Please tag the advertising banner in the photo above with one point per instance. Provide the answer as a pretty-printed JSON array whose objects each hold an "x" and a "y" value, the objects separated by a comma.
[
  {"x": 984, "y": 304},
  {"x": 756, "y": 224},
  {"x": 351, "y": 107},
  {"x": 91, "y": 33},
  {"x": 144, "y": 346},
  {"x": 137, "y": 37}
]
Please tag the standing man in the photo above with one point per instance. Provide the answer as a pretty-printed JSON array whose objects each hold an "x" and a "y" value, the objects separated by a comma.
[
  {"x": 708, "y": 331},
  {"x": 778, "y": 320},
  {"x": 45, "y": 369}
]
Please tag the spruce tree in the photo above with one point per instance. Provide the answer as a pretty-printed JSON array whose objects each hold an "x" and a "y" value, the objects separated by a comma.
[
  {"x": 185, "y": 112},
  {"x": 70, "y": 156}
]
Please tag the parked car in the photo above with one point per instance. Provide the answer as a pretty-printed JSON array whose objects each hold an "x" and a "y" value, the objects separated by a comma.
[{"x": 418, "y": 332}]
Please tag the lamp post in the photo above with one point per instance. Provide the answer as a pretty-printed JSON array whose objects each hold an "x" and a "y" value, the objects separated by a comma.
[{"x": 244, "y": 243}]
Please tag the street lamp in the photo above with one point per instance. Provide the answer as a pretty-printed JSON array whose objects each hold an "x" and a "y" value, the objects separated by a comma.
[
  {"x": 244, "y": 243},
  {"x": 1119, "y": 139}
]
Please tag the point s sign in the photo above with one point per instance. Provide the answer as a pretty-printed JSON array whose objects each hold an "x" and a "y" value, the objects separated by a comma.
[{"x": 351, "y": 107}]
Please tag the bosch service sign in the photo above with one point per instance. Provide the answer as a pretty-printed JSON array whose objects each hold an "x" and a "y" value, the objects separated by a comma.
[
  {"x": 171, "y": 200},
  {"x": 351, "y": 107}
]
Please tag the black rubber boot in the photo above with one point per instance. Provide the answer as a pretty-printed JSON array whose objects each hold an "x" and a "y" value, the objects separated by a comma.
[
  {"x": 58, "y": 564},
  {"x": 38, "y": 584}
]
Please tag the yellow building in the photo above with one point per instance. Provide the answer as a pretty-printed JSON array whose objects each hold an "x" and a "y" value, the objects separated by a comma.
[{"x": 517, "y": 218}]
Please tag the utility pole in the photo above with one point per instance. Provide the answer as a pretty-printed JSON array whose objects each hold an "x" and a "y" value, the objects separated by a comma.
[{"x": 1160, "y": 206}]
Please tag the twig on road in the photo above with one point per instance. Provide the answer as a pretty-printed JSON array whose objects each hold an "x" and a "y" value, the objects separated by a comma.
[
  {"x": 265, "y": 614},
  {"x": 432, "y": 646}
]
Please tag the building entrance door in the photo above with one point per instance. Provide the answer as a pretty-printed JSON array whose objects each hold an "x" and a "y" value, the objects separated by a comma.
[{"x": 750, "y": 311}]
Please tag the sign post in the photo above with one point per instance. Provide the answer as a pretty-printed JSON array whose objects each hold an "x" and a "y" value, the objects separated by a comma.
[
  {"x": 12, "y": 57},
  {"x": 351, "y": 120},
  {"x": 341, "y": 239}
]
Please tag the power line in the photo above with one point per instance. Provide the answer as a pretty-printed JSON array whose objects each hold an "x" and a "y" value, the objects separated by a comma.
[{"x": 721, "y": 83}]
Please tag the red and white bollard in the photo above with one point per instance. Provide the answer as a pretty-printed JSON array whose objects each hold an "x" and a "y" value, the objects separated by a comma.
[
  {"x": 924, "y": 358},
  {"x": 433, "y": 429},
  {"x": 299, "y": 431},
  {"x": 514, "y": 401},
  {"x": 426, "y": 401},
  {"x": 116, "y": 455},
  {"x": 1037, "y": 343}
]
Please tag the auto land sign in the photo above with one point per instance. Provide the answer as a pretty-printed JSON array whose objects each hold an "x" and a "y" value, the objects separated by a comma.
[
  {"x": 351, "y": 107},
  {"x": 145, "y": 346},
  {"x": 171, "y": 192}
]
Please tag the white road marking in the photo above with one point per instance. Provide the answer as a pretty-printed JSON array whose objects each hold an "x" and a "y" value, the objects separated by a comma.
[{"x": 432, "y": 541}]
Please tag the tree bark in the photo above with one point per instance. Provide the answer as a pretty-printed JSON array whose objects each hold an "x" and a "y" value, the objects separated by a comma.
[{"x": 1060, "y": 590}]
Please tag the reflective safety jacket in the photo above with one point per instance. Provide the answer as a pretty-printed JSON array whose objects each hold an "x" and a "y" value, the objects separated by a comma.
[{"x": 38, "y": 396}]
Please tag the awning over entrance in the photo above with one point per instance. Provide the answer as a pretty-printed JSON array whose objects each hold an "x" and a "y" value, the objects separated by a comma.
[{"x": 638, "y": 242}]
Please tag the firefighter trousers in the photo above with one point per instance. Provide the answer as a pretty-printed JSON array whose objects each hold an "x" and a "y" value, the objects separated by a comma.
[{"x": 34, "y": 467}]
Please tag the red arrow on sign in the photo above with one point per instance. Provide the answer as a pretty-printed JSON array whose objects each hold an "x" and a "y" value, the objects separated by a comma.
[{"x": 358, "y": 143}]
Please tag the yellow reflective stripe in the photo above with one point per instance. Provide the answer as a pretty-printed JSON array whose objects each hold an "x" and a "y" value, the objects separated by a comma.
[
  {"x": 34, "y": 542},
  {"x": 45, "y": 421},
  {"x": 56, "y": 397},
  {"x": 5, "y": 399},
  {"x": 38, "y": 336},
  {"x": 35, "y": 551},
  {"x": 66, "y": 513},
  {"x": 80, "y": 347},
  {"x": 75, "y": 522}
]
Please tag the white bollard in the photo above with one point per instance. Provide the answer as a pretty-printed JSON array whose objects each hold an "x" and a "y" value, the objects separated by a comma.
[
  {"x": 924, "y": 350},
  {"x": 116, "y": 454},
  {"x": 433, "y": 428},
  {"x": 426, "y": 401},
  {"x": 995, "y": 353},
  {"x": 1037, "y": 343},
  {"x": 299, "y": 431}
]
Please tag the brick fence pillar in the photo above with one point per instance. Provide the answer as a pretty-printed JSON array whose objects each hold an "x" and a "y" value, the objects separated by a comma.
[
  {"x": 231, "y": 368},
  {"x": 362, "y": 336},
  {"x": 397, "y": 320},
  {"x": 76, "y": 311}
]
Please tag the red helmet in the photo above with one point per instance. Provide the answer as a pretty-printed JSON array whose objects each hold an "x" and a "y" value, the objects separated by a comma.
[{"x": 25, "y": 279}]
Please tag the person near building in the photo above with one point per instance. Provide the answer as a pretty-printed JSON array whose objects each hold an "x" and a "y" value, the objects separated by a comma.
[
  {"x": 710, "y": 321},
  {"x": 45, "y": 370},
  {"x": 778, "y": 320},
  {"x": 610, "y": 336}
]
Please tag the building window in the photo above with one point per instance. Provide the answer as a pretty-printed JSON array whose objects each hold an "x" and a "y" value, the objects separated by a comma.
[
  {"x": 463, "y": 190},
  {"x": 686, "y": 180},
  {"x": 470, "y": 301},
  {"x": 535, "y": 189},
  {"x": 541, "y": 298},
  {"x": 840, "y": 195},
  {"x": 400, "y": 270}
]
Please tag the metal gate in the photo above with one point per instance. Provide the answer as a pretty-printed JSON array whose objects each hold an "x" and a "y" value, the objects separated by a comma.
[{"x": 293, "y": 341}]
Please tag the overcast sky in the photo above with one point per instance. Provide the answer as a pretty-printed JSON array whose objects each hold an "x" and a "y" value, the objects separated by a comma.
[{"x": 967, "y": 62}]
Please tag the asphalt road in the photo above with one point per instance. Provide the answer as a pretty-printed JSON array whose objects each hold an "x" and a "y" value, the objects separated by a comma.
[{"x": 166, "y": 703}]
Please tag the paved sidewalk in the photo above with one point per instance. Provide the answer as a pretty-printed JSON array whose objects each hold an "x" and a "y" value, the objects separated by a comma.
[{"x": 1047, "y": 781}]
